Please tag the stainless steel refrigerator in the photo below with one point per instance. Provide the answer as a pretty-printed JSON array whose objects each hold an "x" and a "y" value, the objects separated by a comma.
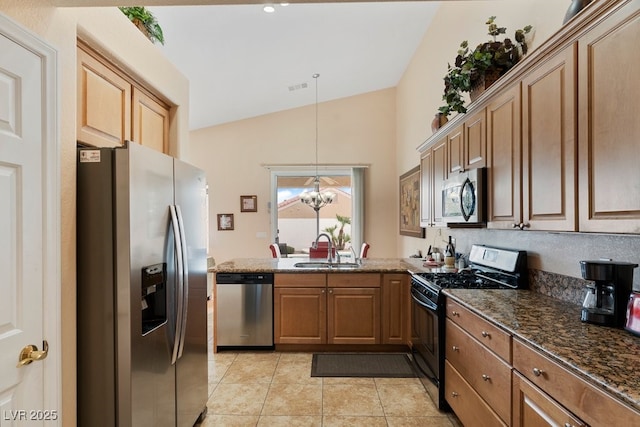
[{"x": 141, "y": 289}]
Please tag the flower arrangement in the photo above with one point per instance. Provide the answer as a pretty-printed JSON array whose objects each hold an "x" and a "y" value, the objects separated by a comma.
[{"x": 485, "y": 64}]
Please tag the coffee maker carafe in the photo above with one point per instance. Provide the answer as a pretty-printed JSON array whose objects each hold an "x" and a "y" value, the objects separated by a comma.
[{"x": 605, "y": 302}]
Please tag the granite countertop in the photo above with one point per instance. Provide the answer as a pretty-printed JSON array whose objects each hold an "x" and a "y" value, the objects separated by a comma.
[
  {"x": 285, "y": 265},
  {"x": 607, "y": 358}
]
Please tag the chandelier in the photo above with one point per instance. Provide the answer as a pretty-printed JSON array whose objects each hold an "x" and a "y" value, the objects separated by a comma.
[{"x": 317, "y": 199}]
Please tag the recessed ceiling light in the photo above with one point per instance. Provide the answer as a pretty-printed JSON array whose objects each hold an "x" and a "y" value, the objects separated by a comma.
[{"x": 269, "y": 8}]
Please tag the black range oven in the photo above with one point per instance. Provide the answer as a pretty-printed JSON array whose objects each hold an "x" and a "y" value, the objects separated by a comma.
[{"x": 489, "y": 268}]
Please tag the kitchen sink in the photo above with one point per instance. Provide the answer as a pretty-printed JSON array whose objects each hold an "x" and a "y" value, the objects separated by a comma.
[{"x": 329, "y": 265}]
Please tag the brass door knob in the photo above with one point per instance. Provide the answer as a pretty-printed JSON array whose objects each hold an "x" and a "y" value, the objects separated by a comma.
[{"x": 31, "y": 353}]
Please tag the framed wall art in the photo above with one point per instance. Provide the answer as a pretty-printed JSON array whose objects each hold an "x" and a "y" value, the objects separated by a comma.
[
  {"x": 410, "y": 204},
  {"x": 225, "y": 222},
  {"x": 248, "y": 203}
]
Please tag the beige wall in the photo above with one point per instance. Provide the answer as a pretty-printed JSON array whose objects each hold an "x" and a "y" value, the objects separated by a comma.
[
  {"x": 359, "y": 129},
  {"x": 108, "y": 30}
]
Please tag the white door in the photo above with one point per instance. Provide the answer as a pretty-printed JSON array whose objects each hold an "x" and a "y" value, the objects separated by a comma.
[{"x": 29, "y": 236}]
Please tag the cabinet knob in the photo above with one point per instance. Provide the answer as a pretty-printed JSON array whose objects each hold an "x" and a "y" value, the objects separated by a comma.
[
  {"x": 485, "y": 334},
  {"x": 537, "y": 372},
  {"x": 455, "y": 348},
  {"x": 322, "y": 291},
  {"x": 486, "y": 377},
  {"x": 515, "y": 225},
  {"x": 330, "y": 291},
  {"x": 524, "y": 225},
  {"x": 454, "y": 394},
  {"x": 455, "y": 313}
]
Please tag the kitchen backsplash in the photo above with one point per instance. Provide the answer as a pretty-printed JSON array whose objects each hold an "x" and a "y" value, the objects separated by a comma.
[{"x": 565, "y": 288}]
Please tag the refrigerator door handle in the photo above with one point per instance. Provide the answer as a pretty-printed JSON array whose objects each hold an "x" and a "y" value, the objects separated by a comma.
[
  {"x": 177, "y": 244},
  {"x": 185, "y": 282}
]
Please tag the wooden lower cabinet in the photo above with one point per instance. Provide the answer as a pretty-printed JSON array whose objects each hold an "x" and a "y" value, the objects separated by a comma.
[
  {"x": 469, "y": 407},
  {"x": 300, "y": 315},
  {"x": 353, "y": 316},
  {"x": 486, "y": 373},
  {"x": 587, "y": 402},
  {"x": 534, "y": 408},
  {"x": 329, "y": 308},
  {"x": 396, "y": 306}
]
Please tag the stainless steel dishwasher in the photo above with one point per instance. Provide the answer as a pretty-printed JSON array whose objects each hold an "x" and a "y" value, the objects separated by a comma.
[{"x": 244, "y": 309}]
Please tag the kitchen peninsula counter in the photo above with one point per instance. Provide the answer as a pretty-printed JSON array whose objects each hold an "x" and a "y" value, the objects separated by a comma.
[
  {"x": 604, "y": 357},
  {"x": 286, "y": 265}
]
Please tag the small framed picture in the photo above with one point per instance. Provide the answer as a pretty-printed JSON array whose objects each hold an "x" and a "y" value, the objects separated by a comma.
[
  {"x": 248, "y": 203},
  {"x": 225, "y": 222}
]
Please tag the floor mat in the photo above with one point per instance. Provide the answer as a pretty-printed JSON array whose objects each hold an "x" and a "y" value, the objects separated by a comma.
[{"x": 380, "y": 365}]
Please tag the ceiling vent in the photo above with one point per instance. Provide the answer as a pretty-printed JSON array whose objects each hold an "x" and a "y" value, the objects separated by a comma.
[{"x": 298, "y": 87}]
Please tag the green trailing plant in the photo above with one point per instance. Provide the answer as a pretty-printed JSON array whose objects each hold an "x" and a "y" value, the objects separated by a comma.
[
  {"x": 342, "y": 238},
  {"x": 491, "y": 58},
  {"x": 145, "y": 21}
]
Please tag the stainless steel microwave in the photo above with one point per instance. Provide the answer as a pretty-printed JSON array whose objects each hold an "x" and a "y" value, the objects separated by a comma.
[{"x": 463, "y": 197}]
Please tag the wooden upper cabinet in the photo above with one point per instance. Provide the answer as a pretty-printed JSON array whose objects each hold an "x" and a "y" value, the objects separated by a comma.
[
  {"x": 466, "y": 144},
  {"x": 455, "y": 150},
  {"x": 433, "y": 171},
  {"x": 549, "y": 176},
  {"x": 475, "y": 141},
  {"x": 112, "y": 109},
  {"x": 504, "y": 160},
  {"x": 426, "y": 189},
  {"x": 150, "y": 125},
  {"x": 104, "y": 104},
  {"x": 439, "y": 153},
  {"x": 609, "y": 127}
]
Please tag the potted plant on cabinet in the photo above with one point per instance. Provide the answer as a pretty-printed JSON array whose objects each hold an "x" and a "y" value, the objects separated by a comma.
[
  {"x": 477, "y": 69},
  {"x": 145, "y": 21}
]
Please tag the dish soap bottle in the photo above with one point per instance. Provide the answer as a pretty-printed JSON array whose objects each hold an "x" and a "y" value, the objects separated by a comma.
[{"x": 450, "y": 254}]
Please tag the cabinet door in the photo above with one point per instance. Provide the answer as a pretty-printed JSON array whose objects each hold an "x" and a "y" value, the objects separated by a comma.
[
  {"x": 609, "y": 130},
  {"x": 103, "y": 102},
  {"x": 426, "y": 189},
  {"x": 455, "y": 150},
  {"x": 150, "y": 124},
  {"x": 504, "y": 160},
  {"x": 395, "y": 308},
  {"x": 300, "y": 315},
  {"x": 353, "y": 316},
  {"x": 475, "y": 141},
  {"x": 549, "y": 142},
  {"x": 440, "y": 168},
  {"x": 534, "y": 408}
]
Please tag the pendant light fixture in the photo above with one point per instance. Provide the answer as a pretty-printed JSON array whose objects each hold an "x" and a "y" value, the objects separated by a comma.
[{"x": 317, "y": 199}]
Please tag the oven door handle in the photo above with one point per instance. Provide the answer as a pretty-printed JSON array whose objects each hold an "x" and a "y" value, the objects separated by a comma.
[{"x": 430, "y": 305}]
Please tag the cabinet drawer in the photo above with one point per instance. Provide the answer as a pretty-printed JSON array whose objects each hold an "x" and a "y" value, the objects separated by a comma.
[
  {"x": 493, "y": 337},
  {"x": 466, "y": 403},
  {"x": 314, "y": 280},
  {"x": 531, "y": 406},
  {"x": 357, "y": 280},
  {"x": 484, "y": 371},
  {"x": 584, "y": 400}
]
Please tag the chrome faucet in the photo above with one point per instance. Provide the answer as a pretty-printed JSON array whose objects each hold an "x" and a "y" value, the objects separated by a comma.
[
  {"x": 355, "y": 256},
  {"x": 330, "y": 252}
]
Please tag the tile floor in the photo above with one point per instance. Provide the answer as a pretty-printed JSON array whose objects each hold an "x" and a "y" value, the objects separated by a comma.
[{"x": 276, "y": 389}]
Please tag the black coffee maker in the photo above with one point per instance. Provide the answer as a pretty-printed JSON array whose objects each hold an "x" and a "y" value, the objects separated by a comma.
[{"x": 605, "y": 302}]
